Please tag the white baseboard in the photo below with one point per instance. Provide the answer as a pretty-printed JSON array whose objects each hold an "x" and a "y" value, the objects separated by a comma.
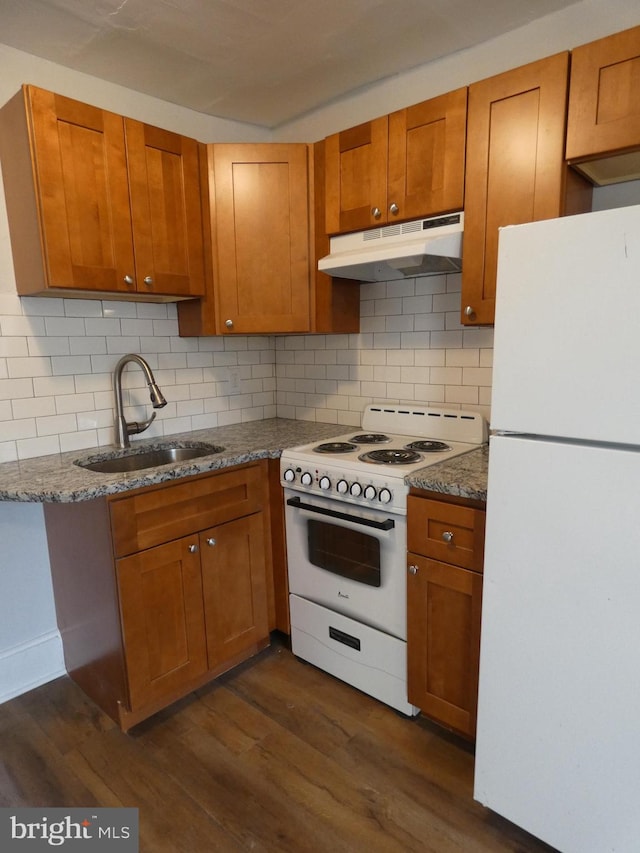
[{"x": 30, "y": 664}]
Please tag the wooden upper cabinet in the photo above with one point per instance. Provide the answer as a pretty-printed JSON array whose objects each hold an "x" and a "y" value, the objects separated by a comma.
[
  {"x": 260, "y": 280},
  {"x": 109, "y": 201},
  {"x": 261, "y": 239},
  {"x": 166, "y": 210},
  {"x": 515, "y": 169},
  {"x": 604, "y": 107},
  {"x": 402, "y": 166}
]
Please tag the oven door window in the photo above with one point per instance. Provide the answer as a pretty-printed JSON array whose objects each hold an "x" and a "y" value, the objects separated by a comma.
[{"x": 345, "y": 552}]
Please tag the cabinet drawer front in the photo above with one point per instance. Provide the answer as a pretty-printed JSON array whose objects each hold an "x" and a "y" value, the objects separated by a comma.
[
  {"x": 446, "y": 532},
  {"x": 160, "y": 515}
]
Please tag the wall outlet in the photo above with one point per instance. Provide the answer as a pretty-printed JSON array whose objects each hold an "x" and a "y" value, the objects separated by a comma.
[{"x": 234, "y": 380}]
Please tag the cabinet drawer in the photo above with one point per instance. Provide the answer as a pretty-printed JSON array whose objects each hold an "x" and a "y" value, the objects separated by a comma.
[
  {"x": 159, "y": 515},
  {"x": 446, "y": 532}
]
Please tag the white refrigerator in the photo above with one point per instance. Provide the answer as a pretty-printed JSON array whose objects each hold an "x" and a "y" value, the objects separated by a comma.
[{"x": 558, "y": 739}]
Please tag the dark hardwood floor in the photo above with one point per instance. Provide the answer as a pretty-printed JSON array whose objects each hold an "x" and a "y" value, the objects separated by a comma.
[{"x": 274, "y": 756}]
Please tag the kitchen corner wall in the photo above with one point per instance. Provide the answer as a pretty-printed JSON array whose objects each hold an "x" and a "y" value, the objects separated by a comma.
[
  {"x": 412, "y": 347},
  {"x": 56, "y": 374},
  {"x": 57, "y": 358}
]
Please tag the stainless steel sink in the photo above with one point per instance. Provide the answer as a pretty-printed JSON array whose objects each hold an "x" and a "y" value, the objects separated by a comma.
[{"x": 137, "y": 459}]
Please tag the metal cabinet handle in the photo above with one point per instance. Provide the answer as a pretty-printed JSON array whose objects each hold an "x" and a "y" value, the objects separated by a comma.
[
  {"x": 376, "y": 212},
  {"x": 393, "y": 208},
  {"x": 413, "y": 570},
  {"x": 193, "y": 549},
  {"x": 447, "y": 536},
  {"x": 469, "y": 311},
  {"x": 211, "y": 541},
  {"x": 229, "y": 324},
  {"x": 148, "y": 280},
  {"x": 128, "y": 279}
]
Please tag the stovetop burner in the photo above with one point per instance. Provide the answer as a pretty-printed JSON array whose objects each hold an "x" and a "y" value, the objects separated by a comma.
[
  {"x": 370, "y": 438},
  {"x": 428, "y": 446},
  {"x": 335, "y": 447},
  {"x": 390, "y": 457}
]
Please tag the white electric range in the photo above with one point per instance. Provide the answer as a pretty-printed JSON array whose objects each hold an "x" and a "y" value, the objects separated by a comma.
[{"x": 346, "y": 504}]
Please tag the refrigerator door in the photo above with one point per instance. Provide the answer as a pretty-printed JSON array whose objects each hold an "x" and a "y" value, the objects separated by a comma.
[
  {"x": 558, "y": 740},
  {"x": 567, "y": 329}
]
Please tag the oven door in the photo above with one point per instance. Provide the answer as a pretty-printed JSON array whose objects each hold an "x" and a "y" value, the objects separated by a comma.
[{"x": 348, "y": 558}]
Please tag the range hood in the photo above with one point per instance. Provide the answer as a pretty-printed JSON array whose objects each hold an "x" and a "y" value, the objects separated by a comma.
[{"x": 402, "y": 250}]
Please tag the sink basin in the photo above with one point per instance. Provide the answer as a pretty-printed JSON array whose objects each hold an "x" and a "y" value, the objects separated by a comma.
[{"x": 137, "y": 459}]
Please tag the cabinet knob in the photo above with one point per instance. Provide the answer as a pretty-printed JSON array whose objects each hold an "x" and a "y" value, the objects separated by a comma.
[
  {"x": 211, "y": 541},
  {"x": 128, "y": 279},
  {"x": 148, "y": 280},
  {"x": 193, "y": 549},
  {"x": 447, "y": 536},
  {"x": 376, "y": 212},
  {"x": 469, "y": 311},
  {"x": 229, "y": 324},
  {"x": 393, "y": 208},
  {"x": 413, "y": 570}
]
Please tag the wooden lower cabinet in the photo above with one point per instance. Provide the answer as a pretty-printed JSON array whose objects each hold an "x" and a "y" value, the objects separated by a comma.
[
  {"x": 444, "y": 610},
  {"x": 234, "y": 587},
  {"x": 163, "y": 625},
  {"x": 145, "y": 621}
]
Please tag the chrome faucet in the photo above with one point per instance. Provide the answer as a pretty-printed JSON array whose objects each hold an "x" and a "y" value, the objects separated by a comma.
[{"x": 124, "y": 429}]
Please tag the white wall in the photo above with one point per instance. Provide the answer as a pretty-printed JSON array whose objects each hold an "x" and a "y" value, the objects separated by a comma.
[{"x": 60, "y": 352}]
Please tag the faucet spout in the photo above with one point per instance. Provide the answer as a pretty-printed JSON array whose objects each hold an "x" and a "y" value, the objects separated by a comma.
[{"x": 122, "y": 428}]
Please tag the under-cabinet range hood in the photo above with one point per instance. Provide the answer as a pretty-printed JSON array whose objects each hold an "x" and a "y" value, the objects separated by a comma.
[{"x": 402, "y": 250}]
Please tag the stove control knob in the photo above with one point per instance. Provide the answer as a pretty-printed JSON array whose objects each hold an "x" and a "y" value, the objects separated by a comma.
[
  {"x": 369, "y": 492},
  {"x": 356, "y": 490},
  {"x": 306, "y": 479},
  {"x": 325, "y": 483},
  {"x": 342, "y": 487},
  {"x": 289, "y": 475},
  {"x": 385, "y": 496}
]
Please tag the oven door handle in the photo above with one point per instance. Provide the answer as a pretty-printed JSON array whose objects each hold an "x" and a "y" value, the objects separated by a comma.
[{"x": 387, "y": 524}]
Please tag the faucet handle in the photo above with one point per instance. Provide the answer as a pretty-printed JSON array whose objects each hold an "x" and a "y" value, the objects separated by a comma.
[{"x": 134, "y": 427}]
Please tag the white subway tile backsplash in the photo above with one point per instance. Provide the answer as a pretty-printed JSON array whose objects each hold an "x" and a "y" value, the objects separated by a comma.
[
  {"x": 57, "y": 358},
  {"x": 48, "y": 346},
  {"x": 31, "y": 407},
  {"x": 15, "y": 389},
  {"x": 17, "y": 428},
  {"x": 42, "y": 446},
  {"x": 13, "y": 347},
  {"x": 11, "y": 325},
  {"x": 67, "y": 326},
  {"x": 34, "y": 366}
]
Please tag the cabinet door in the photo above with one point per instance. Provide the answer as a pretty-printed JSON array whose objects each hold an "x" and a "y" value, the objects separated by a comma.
[
  {"x": 426, "y": 157},
  {"x": 515, "y": 168},
  {"x": 162, "y": 619},
  {"x": 82, "y": 193},
  {"x": 261, "y": 225},
  {"x": 166, "y": 208},
  {"x": 443, "y": 642},
  {"x": 356, "y": 177},
  {"x": 234, "y": 583},
  {"x": 604, "y": 98}
]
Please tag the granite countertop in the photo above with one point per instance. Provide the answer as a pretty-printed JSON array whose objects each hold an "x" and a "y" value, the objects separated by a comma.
[
  {"x": 463, "y": 476},
  {"x": 57, "y": 479}
]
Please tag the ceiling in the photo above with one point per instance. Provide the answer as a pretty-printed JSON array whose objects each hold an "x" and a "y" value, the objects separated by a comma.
[{"x": 259, "y": 61}]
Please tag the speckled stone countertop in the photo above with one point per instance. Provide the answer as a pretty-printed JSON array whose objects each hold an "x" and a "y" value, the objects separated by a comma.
[
  {"x": 57, "y": 479},
  {"x": 463, "y": 476}
]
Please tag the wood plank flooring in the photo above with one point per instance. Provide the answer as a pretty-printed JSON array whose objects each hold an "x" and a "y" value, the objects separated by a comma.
[{"x": 274, "y": 756}]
